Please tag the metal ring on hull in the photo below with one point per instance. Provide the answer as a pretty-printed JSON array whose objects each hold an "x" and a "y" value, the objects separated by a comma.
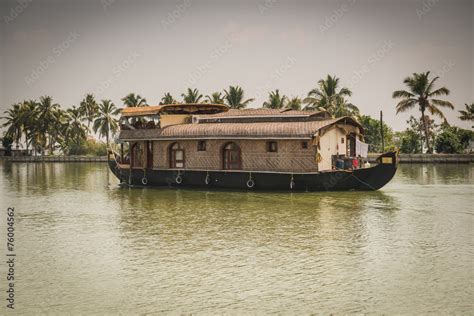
[
  {"x": 250, "y": 183},
  {"x": 144, "y": 181},
  {"x": 178, "y": 179},
  {"x": 208, "y": 179}
]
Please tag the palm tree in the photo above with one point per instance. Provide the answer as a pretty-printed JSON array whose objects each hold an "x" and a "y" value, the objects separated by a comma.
[
  {"x": 192, "y": 96},
  {"x": 421, "y": 93},
  {"x": 131, "y": 100},
  {"x": 275, "y": 100},
  {"x": 327, "y": 96},
  {"x": 14, "y": 123},
  {"x": 167, "y": 99},
  {"x": 48, "y": 119},
  {"x": 75, "y": 130},
  {"x": 88, "y": 108},
  {"x": 467, "y": 115},
  {"x": 344, "y": 108},
  {"x": 30, "y": 110},
  {"x": 105, "y": 122},
  {"x": 235, "y": 96},
  {"x": 294, "y": 103},
  {"x": 215, "y": 98}
]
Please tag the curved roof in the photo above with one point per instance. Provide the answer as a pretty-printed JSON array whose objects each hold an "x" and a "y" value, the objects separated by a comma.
[
  {"x": 264, "y": 130},
  {"x": 185, "y": 108}
]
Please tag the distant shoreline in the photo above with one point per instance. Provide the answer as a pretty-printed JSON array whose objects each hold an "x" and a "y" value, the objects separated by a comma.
[{"x": 430, "y": 158}]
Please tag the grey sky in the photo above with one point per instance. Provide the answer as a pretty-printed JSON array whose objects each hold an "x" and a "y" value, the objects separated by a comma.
[{"x": 68, "y": 48}]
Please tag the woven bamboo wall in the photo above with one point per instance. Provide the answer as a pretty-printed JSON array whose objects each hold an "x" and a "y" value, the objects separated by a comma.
[{"x": 290, "y": 156}]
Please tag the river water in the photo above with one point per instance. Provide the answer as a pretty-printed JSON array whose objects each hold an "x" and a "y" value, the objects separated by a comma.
[{"x": 86, "y": 246}]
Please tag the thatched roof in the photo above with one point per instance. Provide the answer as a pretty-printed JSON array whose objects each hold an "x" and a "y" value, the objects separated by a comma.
[{"x": 258, "y": 130}]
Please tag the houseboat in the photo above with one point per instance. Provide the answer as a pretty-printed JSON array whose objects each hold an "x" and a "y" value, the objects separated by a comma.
[{"x": 212, "y": 146}]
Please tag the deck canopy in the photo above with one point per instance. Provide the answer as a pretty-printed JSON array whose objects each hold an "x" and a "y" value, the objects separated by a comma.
[{"x": 185, "y": 108}]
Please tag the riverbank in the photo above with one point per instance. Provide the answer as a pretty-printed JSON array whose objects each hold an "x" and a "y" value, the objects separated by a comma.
[
  {"x": 56, "y": 158},
  {"x": 429, "y": 158}
]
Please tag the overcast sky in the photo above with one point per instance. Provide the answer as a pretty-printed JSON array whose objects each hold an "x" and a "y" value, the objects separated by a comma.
[{"x": 112, "y": 47}]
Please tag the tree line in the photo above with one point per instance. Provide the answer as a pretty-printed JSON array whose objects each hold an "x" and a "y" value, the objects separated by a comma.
[{"x": 46, "y": 127}]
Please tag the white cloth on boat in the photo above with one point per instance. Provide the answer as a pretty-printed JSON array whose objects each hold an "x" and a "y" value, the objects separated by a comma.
[{"x": 361, "y": 149}]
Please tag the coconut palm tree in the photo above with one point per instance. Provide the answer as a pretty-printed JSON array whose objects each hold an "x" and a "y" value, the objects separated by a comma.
[
  {"x": 294, "y": 103},
  {"x": 327, "y": 96},
  {"x": 48, "y": 119},
  {"x": 88, "y": 108},
  {"x": 167, "y": 99},
  {"x": 275, "y": 100},
  {"x": 14, "y": 123},
  {"x": 215, "y": 98},
  {"x": 105, "y": 123},
  {"x": 131, "y": 100},
  {"x": 344, "y": 108},
  {"x": 421, "y": 92},
  {"x": 234, "y": 98},
  {"x": 192, "y": 96},
  {"x": 75, "y": 130},
  {"x": 467, "y": 115},
  {"x": 30, "y": 110}
]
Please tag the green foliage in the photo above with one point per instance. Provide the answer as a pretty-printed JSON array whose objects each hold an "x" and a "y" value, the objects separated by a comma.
[
  {"x": 192, "y": 96},
  {"x": 215, "y": 98},
  {"x": 327, "y": 96},
  {"x": 408, "y": 141},
  {"x": 275, "y": 100},
  {"x": 372, "y": 134},
  {"x": 168, "y": 99},
  {"x": 294, "y": 103},
  {"x": 132, "y": 100},
  {"x": 452, "y": 140},
  {"x": 234, "y": 98},
  {"x": 88, "y": 147},
  {"x": 448, "y": 142},
  {"x": 421, "y": 93},
  {"x": 468, "y": 114},
  {"x": 7, "y": 143}
]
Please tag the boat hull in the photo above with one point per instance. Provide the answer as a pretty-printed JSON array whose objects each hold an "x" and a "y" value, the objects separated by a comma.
[{"x": 364, "y": 179}]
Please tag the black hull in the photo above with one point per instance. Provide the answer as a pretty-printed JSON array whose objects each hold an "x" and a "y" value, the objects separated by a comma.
[{"x": 365, "y": 179}]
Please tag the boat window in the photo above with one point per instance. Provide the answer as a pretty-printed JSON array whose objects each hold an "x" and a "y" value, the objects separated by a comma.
[
  {"x": 272, "y": 147},
  {"x": 201, "y": 146},
  {"x": 176, "y": 156},
  {"x": 231, "y": 157},
  {"x": 304, "y": 145}
]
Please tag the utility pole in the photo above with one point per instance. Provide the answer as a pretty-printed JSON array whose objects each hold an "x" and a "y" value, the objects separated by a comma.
[{"x": 381, "y": 130}]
